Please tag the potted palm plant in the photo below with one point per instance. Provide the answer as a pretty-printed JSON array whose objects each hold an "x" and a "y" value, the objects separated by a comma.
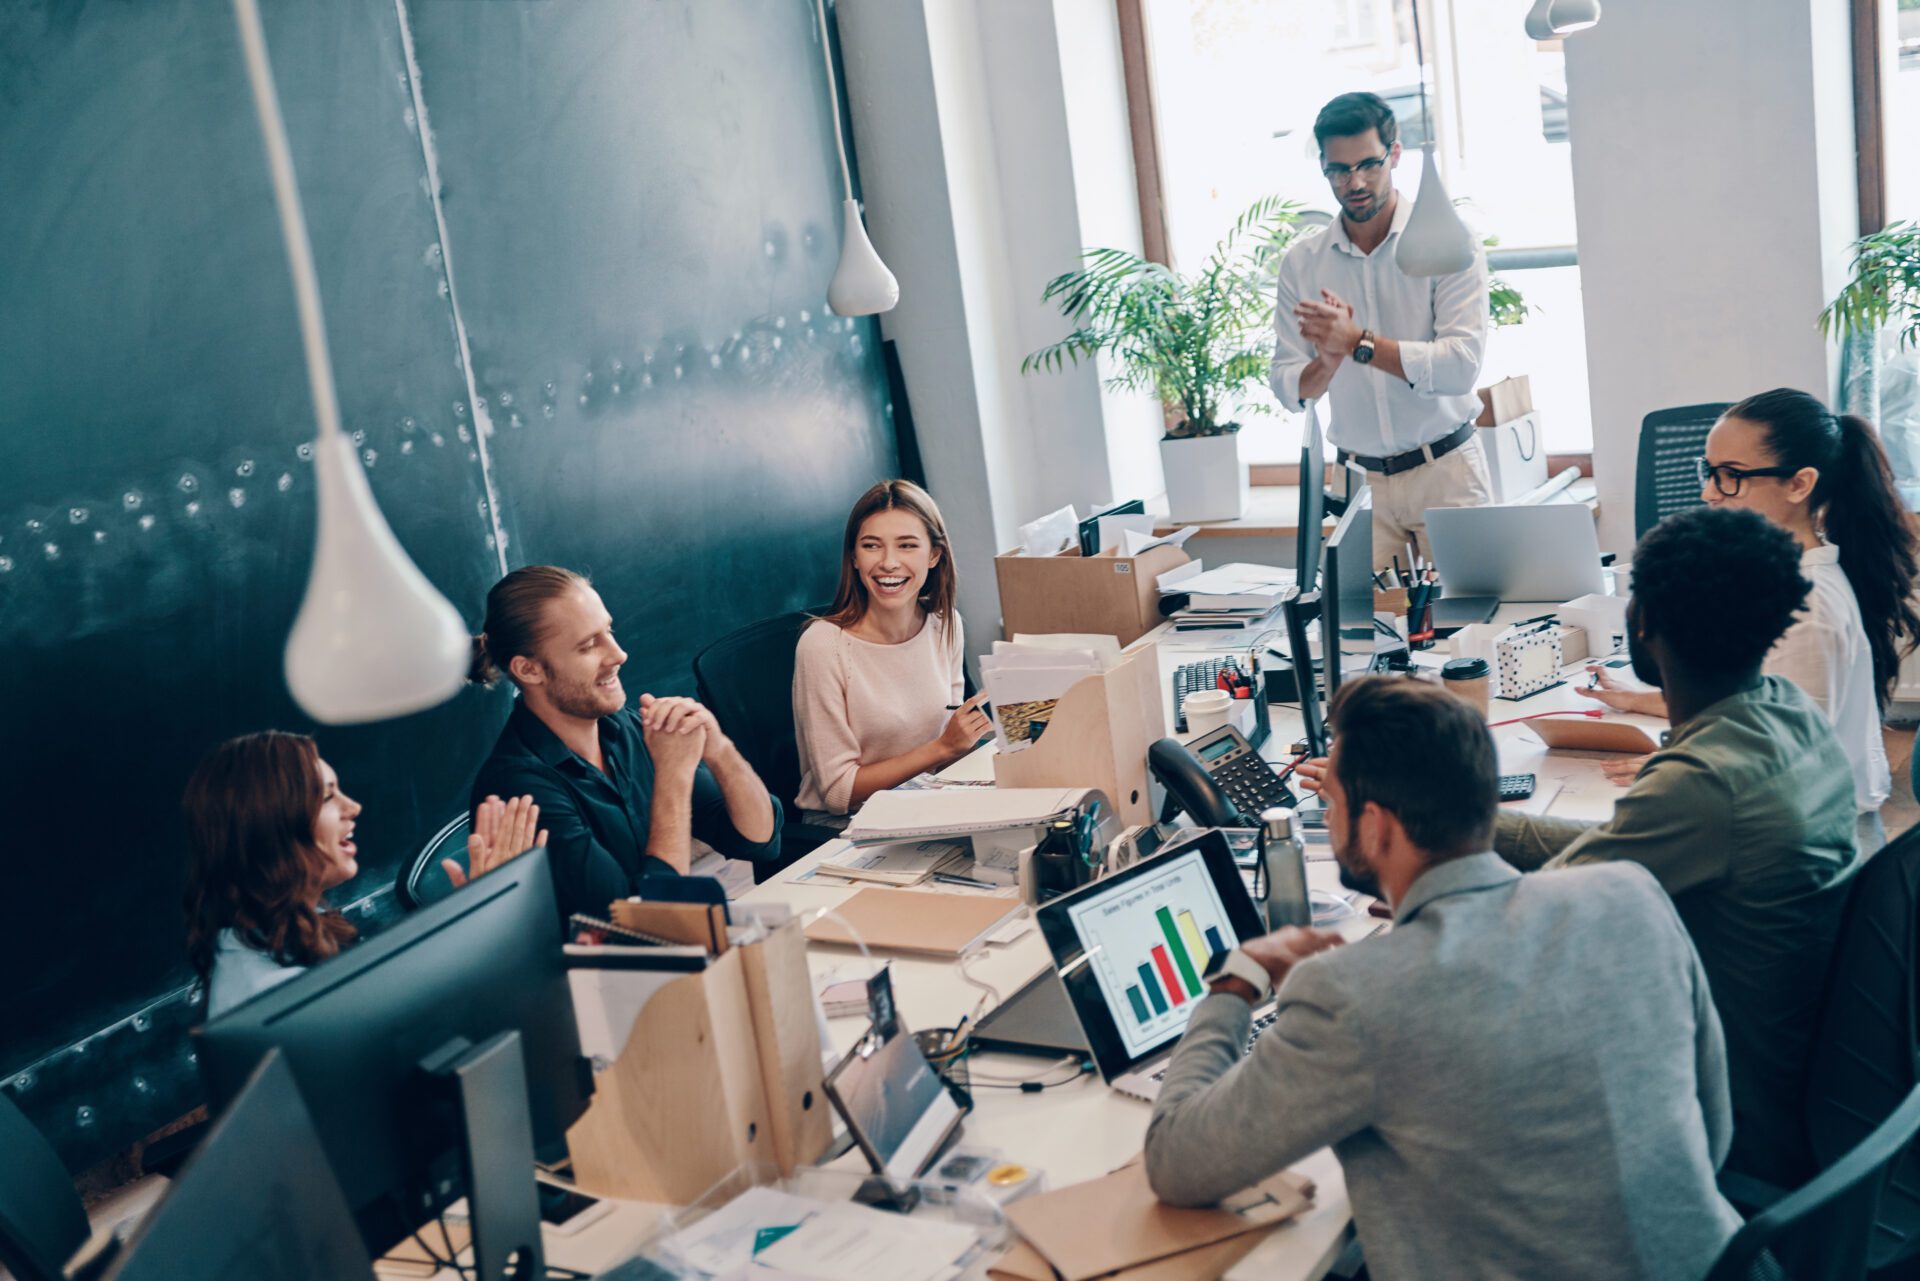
[
  {"x": 1195, "y": 341},
  {"x": 1884, "y": 290}
]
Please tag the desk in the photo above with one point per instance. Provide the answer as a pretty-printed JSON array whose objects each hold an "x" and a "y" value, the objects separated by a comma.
[{"x": 1082, "y": 1130}]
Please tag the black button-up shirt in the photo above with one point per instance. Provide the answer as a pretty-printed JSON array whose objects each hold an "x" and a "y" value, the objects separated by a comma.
[{"x": 597, "y": 822}]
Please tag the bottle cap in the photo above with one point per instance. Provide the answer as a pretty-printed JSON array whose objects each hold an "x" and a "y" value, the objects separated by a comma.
[{"x": 1277, "y": 823}]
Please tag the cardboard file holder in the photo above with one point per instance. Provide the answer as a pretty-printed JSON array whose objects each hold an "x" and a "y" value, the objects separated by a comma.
[
  {"x": 720, "y": 1074},
  {"x": 1097, "y": 736},
  {"x": 1108, "y": 594}
]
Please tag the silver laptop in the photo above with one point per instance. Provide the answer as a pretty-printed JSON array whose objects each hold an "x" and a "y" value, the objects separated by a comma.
[
  {"x": 1130, "y": 951},
  {"x": 1548, "y": 552}
]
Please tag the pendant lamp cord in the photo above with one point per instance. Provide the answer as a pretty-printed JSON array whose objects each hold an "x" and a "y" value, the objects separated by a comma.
[
  {"x": 1420, "y": 58},
  {"x": 833, "y": 98},
  {"x": 293, "y": 220}
]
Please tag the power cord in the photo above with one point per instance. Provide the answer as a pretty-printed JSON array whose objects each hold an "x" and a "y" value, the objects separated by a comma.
[{"x": 1035, "y": 1084}]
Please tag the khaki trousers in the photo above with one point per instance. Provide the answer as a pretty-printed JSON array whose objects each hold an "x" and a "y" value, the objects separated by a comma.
[{"x": 1400, "y": 503}]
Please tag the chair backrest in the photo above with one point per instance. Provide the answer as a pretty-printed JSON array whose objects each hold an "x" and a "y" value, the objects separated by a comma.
[
  {"x": 1665, "y": 480},
  {"x": 746, "y": 679},
  {"x": 1823, "y": 1231},
  {"x": 422, "y": 880},
  {"x": 1867, "y": 1050},
  {"x": 41, "y": 1219}
]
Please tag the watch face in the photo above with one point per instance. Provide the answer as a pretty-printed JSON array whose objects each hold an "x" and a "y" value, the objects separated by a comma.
[{"x": 1363, "y": 354}]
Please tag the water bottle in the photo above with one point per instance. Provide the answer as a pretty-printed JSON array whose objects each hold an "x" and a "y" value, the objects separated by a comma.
[{"x": 1283, "y": 862}]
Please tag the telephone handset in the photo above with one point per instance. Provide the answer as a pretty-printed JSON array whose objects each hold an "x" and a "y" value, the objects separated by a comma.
[{"x": 1218, "y": 779}]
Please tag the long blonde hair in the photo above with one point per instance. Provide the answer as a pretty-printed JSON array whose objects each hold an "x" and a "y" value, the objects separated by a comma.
[{"x": 942, "y": 587}]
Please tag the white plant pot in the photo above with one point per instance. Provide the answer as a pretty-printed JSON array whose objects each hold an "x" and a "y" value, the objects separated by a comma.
[{"x": 1205, "y": 478}]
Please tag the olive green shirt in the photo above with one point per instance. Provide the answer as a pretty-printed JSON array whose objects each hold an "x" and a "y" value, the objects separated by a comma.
[{"x": 1746, "y": 817}]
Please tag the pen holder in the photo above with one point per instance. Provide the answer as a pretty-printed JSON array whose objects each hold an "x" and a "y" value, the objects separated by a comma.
[
  {"x": 1420, "y": 617},
  {"x": 948, "y": 1058}
]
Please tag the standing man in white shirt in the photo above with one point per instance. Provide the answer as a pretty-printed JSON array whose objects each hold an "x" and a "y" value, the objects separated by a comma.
[{"x": 1396, "y": 355}]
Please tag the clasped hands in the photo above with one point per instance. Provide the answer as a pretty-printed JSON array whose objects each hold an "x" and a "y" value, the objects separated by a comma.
[{"x": 1328, "y": 325}]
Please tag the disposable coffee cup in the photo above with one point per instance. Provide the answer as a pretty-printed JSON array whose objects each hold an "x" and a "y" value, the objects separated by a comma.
[
  {"x": 1470, "y": 680},
  {"x": 1207, "y": 710}
]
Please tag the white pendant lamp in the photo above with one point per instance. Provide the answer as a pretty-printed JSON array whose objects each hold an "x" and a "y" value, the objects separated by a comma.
[
  {"x": 373, "y": 639},
  {"x": 862, "y": 285},
  {"x": 1552, "y": 19},
  {"x": 1570, "y": 16},
  {"x": 1434, "y": 242}
]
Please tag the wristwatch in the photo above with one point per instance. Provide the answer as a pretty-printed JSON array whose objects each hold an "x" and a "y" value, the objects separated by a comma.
[
  {"x": 1363, "y": 350},
  {"x": 1237, "y": 964}
]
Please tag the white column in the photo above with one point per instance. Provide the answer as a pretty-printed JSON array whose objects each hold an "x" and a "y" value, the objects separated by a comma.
[{"x": 1714, "y": 189}]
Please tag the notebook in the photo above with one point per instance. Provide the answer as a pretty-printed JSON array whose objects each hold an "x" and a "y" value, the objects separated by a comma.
[{"x": 913, "y": 921}]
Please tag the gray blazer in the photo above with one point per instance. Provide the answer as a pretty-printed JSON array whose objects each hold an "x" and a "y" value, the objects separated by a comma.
[{"x": 1525, "y": 1078}]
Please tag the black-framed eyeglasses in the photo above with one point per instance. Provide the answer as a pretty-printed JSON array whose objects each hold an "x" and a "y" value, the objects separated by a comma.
[
  {"x": 1366, "y": 169},
  {"x": 1727, "y": 479}
]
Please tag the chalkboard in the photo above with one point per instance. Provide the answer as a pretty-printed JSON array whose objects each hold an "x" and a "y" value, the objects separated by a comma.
[{"x": 626, "y": 188}]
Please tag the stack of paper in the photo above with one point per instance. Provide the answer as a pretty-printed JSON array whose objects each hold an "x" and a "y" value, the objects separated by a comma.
[
  {"x": 902, "y": 816},
  {"x": 1026, "y": 678},
  {"x": 765, "y": 1233},
  {"x": 1232, "y": 596},
  {"x": 896, "y": 863}
]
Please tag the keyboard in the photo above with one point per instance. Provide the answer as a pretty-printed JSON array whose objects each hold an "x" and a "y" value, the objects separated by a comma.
[
  {"x": 1189, "y": 678},
  {"x": 1260, "y": 1024}
]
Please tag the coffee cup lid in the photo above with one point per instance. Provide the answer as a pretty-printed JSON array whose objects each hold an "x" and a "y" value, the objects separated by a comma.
[{"x": 1464, "y": 669}]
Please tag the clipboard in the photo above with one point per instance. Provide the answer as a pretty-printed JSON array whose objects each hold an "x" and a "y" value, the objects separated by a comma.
[{"x": 1593, "y": 734}]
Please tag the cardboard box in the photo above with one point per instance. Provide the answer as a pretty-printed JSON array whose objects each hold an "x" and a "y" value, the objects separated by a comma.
[
  {"x": 1109, "y": 594},
  {"x": 1504, "y": 401}
]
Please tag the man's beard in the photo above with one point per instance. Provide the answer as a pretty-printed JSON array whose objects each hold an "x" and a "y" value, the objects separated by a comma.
[
  {"x": 1354, "y": 873},
  {"x": 584, "y": 699},
  {"x": 1644, "y": 667}
]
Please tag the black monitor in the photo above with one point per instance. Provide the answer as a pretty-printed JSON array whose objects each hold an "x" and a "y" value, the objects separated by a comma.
[
  {"x": 257, "y": 1201},
  {"x": 1312, "y": 513},
  {"x": 1346, "y": 594},
  {"x": 1299, "y": 610},
  {"x": 438, "y": 1059}
]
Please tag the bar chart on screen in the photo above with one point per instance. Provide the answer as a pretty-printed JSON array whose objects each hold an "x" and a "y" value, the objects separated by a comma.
[{"x": 1149, "y": 948}]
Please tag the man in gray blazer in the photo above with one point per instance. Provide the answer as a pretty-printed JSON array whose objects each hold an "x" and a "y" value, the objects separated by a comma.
[{"x": 1525, "y": 1078}]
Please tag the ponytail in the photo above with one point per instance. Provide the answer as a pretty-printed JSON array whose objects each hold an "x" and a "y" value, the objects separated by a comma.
[
  {"x": 1856, "y": 505},
  {"x": 516, "y": 618},
  {"x": 1860, "y": 509}
]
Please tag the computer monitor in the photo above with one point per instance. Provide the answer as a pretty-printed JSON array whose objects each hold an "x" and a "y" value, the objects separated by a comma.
[
  {"x": 1311, "y": 514},
  {"x": 1346, "y": 595},
  {"x": 438, "y": 1059},
  {"x": 1299, "y": 610},
  {"x": 256, "y": 1202}
]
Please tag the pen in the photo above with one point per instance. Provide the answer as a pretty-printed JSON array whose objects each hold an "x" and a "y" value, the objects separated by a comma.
[{"x": 948, "y": 878}]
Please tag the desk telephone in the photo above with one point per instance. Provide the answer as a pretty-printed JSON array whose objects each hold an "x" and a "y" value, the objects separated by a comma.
[{"x": 1218, "y": 779}]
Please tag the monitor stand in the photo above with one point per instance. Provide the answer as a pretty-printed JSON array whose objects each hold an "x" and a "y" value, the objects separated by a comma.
[{"x": 488, "y": 1084}]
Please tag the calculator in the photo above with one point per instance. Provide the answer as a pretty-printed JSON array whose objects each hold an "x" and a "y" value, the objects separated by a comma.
[{"x": 1516, "y": 787}]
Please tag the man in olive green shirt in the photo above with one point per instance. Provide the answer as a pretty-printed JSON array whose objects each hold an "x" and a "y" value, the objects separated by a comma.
[{"x": 1746, "y": 816}]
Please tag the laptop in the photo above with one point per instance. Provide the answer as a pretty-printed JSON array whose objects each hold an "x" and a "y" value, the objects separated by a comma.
[
  {"x": 1547, "y": 552},
  {"x": 1130, "y": 949}
]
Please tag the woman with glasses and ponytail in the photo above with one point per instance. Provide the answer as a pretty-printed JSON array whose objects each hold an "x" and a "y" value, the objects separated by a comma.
[{"x": 1824, "y": 478}]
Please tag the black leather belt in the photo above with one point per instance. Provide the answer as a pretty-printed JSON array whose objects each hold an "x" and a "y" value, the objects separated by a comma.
[{"x": 1413, "y": 457}]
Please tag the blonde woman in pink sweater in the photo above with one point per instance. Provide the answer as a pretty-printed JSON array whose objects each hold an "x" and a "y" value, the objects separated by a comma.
[{"x": 877, "y": 682}]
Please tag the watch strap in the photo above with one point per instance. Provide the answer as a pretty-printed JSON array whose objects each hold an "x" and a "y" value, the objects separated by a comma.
[{"x": 1239, "y": 965}]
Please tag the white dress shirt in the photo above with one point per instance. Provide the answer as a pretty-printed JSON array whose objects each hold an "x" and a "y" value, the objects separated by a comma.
[
  {"x": 1440, "y": 323},
  {"x": 1825, "y": 653}
]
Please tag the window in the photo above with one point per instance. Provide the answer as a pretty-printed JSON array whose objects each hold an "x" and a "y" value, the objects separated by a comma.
[{"x": 1237, "y": 86}]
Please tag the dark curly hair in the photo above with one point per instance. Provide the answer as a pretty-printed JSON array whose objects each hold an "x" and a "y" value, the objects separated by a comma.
[
  {"x": 1718, "y": 586},
  {"x": 250, "y": 807}
]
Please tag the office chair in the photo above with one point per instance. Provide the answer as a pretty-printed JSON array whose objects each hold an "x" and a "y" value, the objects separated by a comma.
[
  {"x": 1824, "y": 1231},
  {"x": 746, "y": 679},
  {"x": 1866, "y": 1048},
  {"x": 1665, "y": 480},
  {"x": 422, "y": 880},
  {"x": 42, "y": 1221}
]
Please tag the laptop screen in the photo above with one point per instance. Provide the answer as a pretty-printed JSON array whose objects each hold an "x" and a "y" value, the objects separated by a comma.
[{"x": 1131, "y": 949}]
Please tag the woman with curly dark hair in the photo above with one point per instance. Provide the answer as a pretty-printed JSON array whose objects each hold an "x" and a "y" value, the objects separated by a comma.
[{"x": 271, "y": 832}]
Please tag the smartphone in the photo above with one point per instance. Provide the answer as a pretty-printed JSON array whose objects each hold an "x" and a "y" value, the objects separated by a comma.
[{"x": 567, "y": 1211}]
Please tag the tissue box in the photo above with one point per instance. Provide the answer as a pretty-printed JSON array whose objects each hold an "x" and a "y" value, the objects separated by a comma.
[{"x": 1527, "y": 662}]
